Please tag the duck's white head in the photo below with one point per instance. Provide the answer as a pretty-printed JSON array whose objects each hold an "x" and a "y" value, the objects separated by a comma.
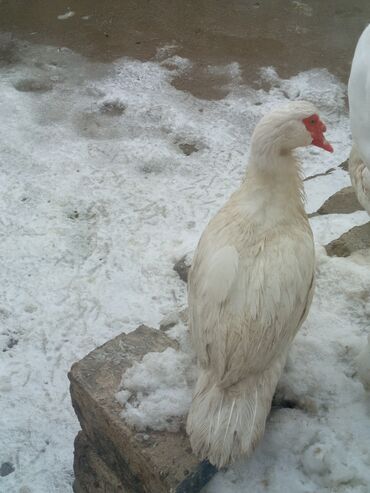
[{"x": 296, "y": 124}]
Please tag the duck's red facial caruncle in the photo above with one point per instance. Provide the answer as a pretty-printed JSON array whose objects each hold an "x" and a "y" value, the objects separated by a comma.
[{"x": 317, "y": 129}]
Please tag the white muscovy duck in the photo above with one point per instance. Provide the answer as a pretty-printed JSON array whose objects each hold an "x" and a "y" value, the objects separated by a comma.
[
  {"x": 359, "y": 111},
  {"x": 250, "y": 288}
]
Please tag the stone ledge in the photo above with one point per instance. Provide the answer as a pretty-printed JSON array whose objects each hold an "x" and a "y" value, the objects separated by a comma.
[
  {"x": 92, "y": 473},
  {"x": 182, "y": 267},
  {"x": 356, "y": 239},
  {"x": 342, "y": 202},
  {"x": 154, "y": 462}
]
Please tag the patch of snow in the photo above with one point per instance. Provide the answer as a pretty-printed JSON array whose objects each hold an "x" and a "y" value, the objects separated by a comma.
[
  {"x": 327, "y": 462},
  {"x": 166, "y": 51},
  {"x": 157, "y": 391},
  {"x": 328, "y": 227},
  {"x": 232, "y": 70},
  {"x": 122, "y": 396},
  {"x": 160, "y": 387},
  {"x": 67, "y": 15},
  {"x": 169, "y": 321},
  {"x": 302, "y": 8}
]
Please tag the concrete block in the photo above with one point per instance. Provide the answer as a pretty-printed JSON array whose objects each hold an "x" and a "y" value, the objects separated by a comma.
[{"x": 110, "y": 452}]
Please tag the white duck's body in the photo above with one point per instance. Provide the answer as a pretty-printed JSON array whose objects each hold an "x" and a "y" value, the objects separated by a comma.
[
  {"x": 359, "y": 110},
  {"x": 360, "y": 177},
  {"x": 250, "y": 288}
]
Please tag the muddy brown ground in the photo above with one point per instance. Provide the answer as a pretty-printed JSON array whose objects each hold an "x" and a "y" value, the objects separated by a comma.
[{"x": 290, "y": 35}]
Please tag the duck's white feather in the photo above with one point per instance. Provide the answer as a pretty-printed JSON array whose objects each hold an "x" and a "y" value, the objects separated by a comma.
[
  {"x": 359, "y": 96},
  {"x": 250, "y": 288},
  {"x": 222, "y": 270},
  {"x": 360, "y": 177},
  {"x": 359, "y": 106}
]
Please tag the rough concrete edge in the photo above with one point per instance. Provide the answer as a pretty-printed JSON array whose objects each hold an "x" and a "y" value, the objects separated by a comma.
[
  {"x": 341, "y": 247},
  {"x": 76, "y": 388},
  {"x": 129, "y": 477},
  {"x": 89, "y": 468}
]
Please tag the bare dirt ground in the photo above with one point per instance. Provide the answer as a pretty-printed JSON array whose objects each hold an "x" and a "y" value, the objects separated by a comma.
[{"x": 290, "y": 35}]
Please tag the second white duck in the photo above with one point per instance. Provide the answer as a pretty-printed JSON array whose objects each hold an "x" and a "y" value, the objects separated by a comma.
[{"x": 359, "y": 111}]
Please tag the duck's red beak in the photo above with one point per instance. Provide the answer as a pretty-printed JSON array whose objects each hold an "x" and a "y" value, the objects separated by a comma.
[{"x": 317, "y": 129}]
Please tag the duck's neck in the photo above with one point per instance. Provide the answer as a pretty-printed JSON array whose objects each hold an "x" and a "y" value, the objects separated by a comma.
[{"x": 273, "y": 187}]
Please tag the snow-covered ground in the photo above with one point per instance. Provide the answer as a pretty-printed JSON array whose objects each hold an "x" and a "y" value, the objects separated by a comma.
[{"x": 99, "y": 197}]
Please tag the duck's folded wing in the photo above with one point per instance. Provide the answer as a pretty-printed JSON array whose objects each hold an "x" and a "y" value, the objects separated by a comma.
[{"x": 246, "y": 308}]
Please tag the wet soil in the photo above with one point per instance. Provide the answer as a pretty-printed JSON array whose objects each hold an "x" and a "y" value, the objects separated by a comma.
[{"x": 290, "y": 35}]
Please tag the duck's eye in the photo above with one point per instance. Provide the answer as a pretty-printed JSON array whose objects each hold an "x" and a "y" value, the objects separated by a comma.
[{"x": 313, "y": 121}]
